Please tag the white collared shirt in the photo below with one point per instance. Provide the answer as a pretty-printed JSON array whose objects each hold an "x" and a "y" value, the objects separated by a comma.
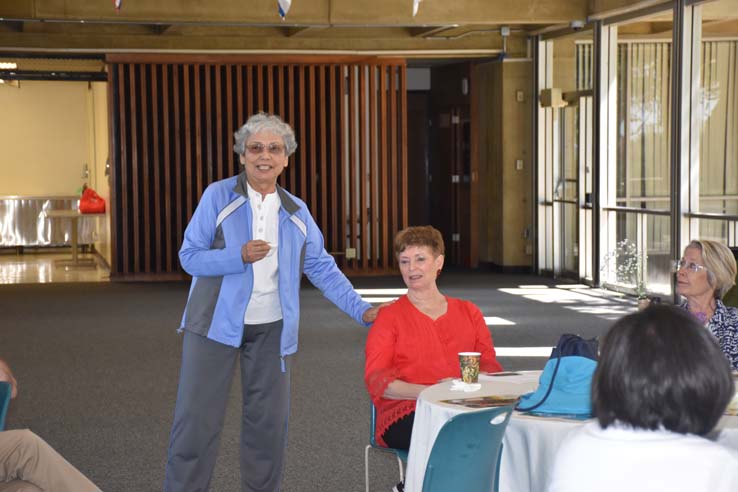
[
  {"x": 264, "y": 305},
  {"x": 622, "y": 458}
]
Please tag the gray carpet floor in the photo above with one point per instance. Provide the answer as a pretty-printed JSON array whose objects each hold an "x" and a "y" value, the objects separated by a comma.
[{"x": 97, "y": 366}]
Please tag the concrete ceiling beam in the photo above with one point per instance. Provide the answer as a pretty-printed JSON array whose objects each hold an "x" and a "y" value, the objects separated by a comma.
[
  {"x": 303, "y": 12},
  {"x": 291, "y": 32},
  {"x": 423, "y": 32},
  {"x": 12, "y": 26},
  {"x": 160, "y": 29}
]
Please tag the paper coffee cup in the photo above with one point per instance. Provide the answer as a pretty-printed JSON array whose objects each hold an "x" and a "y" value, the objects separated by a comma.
[{"x": 469, "y": 363}]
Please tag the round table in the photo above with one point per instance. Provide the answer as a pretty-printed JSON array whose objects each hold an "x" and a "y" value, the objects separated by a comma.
[{"x": 529, "y": 445}]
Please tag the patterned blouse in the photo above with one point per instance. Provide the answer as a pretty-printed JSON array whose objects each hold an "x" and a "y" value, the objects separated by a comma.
[{"x": 724, "y": 326}]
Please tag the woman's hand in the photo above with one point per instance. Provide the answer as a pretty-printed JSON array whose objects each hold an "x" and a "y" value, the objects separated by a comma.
[
  {"x": 254, "y": 250},
  {"x": 401, "y": 390}
]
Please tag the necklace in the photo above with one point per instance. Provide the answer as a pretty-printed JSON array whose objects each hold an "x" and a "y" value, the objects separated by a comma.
[{"x": 701, "y": 316}]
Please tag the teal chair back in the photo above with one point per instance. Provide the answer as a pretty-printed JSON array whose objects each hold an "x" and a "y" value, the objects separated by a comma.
[
  {"x": 467, "y": 452},
  {"x": 5, "y": 390},
  {"x": 400, "y": 454}
]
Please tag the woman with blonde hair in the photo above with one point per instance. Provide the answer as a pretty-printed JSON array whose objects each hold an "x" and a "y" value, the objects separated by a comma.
[{"x": 705, "y": 273}]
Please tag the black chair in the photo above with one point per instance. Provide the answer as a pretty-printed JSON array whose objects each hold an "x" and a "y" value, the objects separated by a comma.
[{"x": 731, "y": 297}]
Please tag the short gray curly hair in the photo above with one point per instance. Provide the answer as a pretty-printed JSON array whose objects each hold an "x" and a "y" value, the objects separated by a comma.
[{"x": 264, "y": 122}]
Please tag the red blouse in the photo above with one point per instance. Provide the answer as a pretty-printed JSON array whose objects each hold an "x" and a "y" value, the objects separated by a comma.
[{"x": 406, "y": 344}]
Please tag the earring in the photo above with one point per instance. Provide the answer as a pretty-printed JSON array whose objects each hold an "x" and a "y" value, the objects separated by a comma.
[{"x": 438, "y": 273}]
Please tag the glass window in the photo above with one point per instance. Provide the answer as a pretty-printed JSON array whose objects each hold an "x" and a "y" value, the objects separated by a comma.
[
  {"x": 565, "y": 181},
  {"x": 643, "y": 158},
  {"x": 718, "y": 162},
  {"x": 644, "y": 135}
]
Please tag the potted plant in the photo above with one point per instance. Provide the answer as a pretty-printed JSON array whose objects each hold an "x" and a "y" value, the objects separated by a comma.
[{"x": 628, "y": 265}]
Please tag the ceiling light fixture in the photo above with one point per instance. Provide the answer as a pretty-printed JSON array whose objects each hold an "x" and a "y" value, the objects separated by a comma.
[{"x": 8, "y": 65}]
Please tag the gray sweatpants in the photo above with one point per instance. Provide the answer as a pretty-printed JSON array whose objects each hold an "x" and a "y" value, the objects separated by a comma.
[{"x": 204, "y": 384}]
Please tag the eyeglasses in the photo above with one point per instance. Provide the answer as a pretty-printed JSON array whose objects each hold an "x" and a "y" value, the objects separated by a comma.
[
  {"x": 258, "y": 147},
  {"x": 691, "y": 266}
]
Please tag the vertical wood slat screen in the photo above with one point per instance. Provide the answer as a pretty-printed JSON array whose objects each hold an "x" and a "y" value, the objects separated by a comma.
[{"x": 172, "y": 124}]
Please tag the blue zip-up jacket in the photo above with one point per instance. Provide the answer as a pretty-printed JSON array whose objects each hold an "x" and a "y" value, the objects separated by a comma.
[{"x": 222, "y": 282}]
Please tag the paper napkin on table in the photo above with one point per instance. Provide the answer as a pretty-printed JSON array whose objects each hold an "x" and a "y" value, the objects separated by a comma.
[{"x": 459, "y": 385}]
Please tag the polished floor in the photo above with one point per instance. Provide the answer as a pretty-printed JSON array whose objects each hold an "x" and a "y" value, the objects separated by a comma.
[{"x": 43, "y": 266}]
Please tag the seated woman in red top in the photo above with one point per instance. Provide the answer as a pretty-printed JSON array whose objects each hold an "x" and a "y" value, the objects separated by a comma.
[{"x": 414, "y": 342}]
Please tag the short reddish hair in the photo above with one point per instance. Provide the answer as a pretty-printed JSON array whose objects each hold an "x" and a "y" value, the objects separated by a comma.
[{"x": 419, "y": 236}]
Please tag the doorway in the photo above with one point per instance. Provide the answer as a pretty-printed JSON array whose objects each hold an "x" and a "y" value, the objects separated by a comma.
[
  {"x": 55, "y": 141},
  {"x": 573, "y": 188},
  {"x": 451, "y": 164}
]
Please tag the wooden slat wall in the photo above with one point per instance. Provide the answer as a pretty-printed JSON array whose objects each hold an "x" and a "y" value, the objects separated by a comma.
[{"x": 172, "y": 124}]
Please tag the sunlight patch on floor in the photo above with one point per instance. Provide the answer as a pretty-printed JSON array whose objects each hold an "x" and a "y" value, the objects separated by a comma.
[
  {"x": 378, "y": 296},
  {"x": 523, "y": 351},
  {"x": 577, "y": 297},
  {"x": 378, "y": 300},
  {"x": 381, "y": 292}
]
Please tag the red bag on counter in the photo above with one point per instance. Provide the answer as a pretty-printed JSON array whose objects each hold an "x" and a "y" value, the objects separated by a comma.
[{"x": 91, "y": 202}]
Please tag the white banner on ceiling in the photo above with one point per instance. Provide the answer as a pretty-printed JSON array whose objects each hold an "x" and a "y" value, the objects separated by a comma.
[{"x": 284, "y": 7}]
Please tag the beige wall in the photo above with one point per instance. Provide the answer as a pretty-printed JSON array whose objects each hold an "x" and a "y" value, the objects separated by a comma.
[
  {"x": 99, "y": 155},
  {"x": 505, "y": 137},
  {"x": 488, "y": 77},
  {"x": 44, "y": 134},
  {"x": 564, "y": 66},
  {"x": 49, "y": 132},
  {"x": 613, "y": 6},
  {"x": 516, "y": 135}
]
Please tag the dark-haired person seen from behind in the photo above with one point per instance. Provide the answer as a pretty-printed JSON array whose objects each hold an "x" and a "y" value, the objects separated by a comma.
[
  {"x": 705, "y": 274},
  {"x": 246, "y": 247},
  {"x": 661, "y": 385}
]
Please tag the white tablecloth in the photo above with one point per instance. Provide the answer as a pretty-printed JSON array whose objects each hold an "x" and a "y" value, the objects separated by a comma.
[{"x": 530, "y": 443}]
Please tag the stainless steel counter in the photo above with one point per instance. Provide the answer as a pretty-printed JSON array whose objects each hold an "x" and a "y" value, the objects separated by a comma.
[{"x": 23, "y": 222}]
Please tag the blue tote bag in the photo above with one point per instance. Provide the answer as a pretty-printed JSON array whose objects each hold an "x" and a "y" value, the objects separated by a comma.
[{"x": 565, "y": 386}]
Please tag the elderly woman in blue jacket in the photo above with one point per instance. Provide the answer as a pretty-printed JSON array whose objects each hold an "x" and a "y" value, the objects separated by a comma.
[{"x": 246, "y": 247}]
